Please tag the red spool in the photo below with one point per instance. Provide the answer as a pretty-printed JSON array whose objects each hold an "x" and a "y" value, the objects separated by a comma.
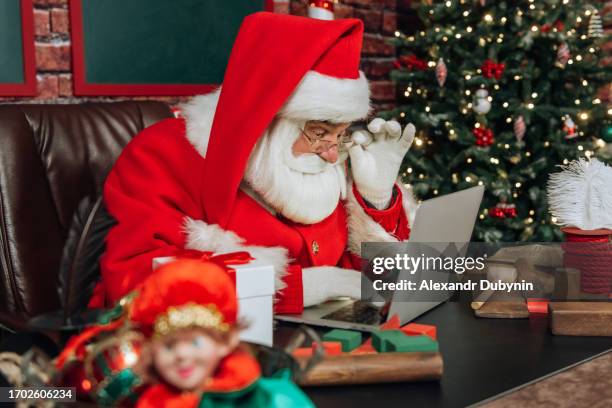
[{"x": 592, "y": 255}]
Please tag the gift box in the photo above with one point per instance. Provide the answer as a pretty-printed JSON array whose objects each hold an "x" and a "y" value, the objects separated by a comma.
[{"x": 255, "y": 292}]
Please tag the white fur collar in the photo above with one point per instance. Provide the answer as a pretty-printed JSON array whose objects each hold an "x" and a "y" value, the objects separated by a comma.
[{"x": 199, "y": 113}]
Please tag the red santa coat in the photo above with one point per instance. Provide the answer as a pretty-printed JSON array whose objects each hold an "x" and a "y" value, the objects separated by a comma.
[
  {"x": 154, "y": 192},
  {"x": 170, "y": 190}
]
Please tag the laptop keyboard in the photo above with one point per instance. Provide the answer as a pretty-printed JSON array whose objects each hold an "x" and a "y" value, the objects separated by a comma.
[{"x": 357, "y": 312}]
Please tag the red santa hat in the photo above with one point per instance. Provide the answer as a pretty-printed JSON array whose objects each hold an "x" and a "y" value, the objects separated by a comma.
[
  {"x": 183, "y": 294},
  {"x": 299, "y": 68}
]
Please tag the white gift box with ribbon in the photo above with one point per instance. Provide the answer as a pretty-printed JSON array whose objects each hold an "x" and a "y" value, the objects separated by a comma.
[{"x": 255, "y": 292}]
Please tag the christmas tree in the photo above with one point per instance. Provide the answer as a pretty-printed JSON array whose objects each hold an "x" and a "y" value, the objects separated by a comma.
[{"x": 501, "y": 92}]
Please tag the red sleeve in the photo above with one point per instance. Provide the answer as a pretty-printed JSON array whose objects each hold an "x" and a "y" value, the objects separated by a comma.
[
  {"x": 291, "y": 299},
  {"x": 152, "y": 187},
  {"x": 393, "y": 219}
]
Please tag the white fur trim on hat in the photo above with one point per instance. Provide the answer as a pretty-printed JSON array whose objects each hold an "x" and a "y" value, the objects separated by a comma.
[
  {"x": 211, "y": 237},
  {"x": 326, "y": 98},
  {"x": 317, "y": 97},
  {"x": 362, "y": 228}
]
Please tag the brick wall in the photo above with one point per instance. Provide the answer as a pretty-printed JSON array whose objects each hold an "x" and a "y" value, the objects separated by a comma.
[
  {"x": 381, "y": 19},
  {"x": 53, "y": 58},
  {"x": 53, "y": 52}
]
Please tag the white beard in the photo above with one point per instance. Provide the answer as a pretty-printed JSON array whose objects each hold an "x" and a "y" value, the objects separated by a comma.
[{"x": 304, "y": 189}]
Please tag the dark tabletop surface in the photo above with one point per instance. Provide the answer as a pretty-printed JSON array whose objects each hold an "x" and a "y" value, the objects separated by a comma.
[{"x": 482, "y": 358}]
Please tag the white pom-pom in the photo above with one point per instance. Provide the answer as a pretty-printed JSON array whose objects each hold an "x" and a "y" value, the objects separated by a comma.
[{"x": 581, "y": 195}]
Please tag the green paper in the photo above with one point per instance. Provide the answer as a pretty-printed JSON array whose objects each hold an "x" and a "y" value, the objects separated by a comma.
[
  {"x": 411, "y": 344},
  {"x": 380, "y": 339},
  {"x": 350, "y": 340}
]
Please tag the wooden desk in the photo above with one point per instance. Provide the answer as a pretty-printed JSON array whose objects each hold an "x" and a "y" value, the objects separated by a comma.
[{"x": 482, "y": 358}]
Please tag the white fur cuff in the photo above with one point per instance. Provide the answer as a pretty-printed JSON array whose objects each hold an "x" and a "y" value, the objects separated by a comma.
[{"x": 211, "y": 237}]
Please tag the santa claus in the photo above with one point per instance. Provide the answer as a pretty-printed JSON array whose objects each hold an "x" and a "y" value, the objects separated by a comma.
[{"x": 260, "y": 166}]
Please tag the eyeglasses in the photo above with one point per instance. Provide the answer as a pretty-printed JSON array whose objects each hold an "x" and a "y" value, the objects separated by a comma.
[{"x": 319, "y": 145}]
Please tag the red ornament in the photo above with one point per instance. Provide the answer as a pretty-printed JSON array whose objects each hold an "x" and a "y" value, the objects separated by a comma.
[
  {"x": 492, "y": 69},
  {"x": 497, "y": 212},
  {"x": 411, "y": 62},
  {"x": 108, "y": 366},
  {"x": 510, "y": 210},
  {"x": 484, "y": 136},
  {"x": 569, "y": 127},
  {"x": 559, "y": 25},
  {"x": 503, "y": 210}
]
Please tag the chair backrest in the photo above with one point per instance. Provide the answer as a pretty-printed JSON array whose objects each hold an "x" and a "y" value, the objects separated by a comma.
[{"x": 51, "y": 156}]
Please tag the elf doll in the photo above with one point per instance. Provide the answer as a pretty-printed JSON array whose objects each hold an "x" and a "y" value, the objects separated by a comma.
[
  {"x": 188, "y": 352},
  {"x": 188, "y": 311}
]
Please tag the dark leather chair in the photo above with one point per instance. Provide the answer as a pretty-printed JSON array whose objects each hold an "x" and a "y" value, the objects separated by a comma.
[{"x": 51, "y": 157}]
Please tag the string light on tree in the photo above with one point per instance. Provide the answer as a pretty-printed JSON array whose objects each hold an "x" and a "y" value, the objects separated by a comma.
[{"x": 472, "y": 101}]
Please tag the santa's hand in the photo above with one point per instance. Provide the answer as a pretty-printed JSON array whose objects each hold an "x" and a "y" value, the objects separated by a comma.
[
  {"x": 322, "y": 283},
  {"x": 376, "y": 158}
]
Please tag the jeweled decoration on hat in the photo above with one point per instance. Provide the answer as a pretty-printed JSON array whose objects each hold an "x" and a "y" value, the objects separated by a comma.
[{"x": 187, "y": 316}]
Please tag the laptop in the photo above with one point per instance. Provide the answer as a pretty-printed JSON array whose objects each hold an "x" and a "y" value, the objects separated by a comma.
[{"x": 448, "y": 218}]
